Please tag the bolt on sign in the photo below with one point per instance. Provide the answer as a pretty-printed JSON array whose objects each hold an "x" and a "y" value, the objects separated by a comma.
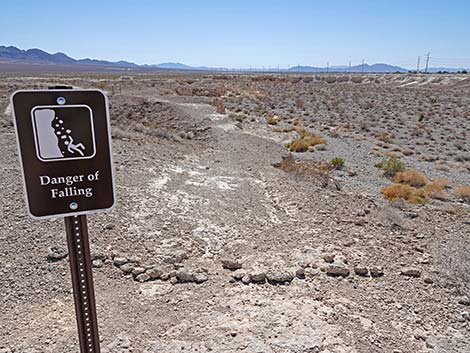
[
  {"x": 64, "y": 145},
  {"x": 64, "y": 142}
]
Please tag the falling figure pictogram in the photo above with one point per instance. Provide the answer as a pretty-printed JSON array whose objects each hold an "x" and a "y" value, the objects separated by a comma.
[
  {"x": 72, "y": 148},
  {"x": 65, "y": 139}
]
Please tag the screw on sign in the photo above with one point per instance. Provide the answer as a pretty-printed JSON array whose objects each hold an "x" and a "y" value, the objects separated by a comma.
[{"x": 64, "y": 142}]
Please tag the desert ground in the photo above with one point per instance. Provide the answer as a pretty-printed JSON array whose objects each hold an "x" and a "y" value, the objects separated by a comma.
[{"x": 259, "y": 213}]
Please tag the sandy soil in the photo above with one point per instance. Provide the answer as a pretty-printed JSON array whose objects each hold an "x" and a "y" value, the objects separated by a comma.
[{"x": 218, "y": 244}]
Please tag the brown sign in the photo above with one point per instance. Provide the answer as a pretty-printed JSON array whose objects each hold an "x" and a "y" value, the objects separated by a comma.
[{"x": 65, "y": 150}]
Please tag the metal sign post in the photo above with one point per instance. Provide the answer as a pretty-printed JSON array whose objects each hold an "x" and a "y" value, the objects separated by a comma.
[
  {"x": 64, "y": 143},
  {"x": 82, "y": 282}
]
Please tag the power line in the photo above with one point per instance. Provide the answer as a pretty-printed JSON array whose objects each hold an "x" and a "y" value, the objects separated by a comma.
[{"x": 427, "y": 61}]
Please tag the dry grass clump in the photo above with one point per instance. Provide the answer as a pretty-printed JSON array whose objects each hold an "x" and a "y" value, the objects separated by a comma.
[
  {"x": 463, "y": 191},
  {"x": 413, "y": 186},
  {"x": 406, "y": 192},
  {"x": 391, "y": 166},
  {"x": 435, "y": 190},
  {"x": 411, "y": 177},
  {"x": 317, "y": 172},
  {"x": 443, "y": 182},
  {"x": 284, "y": 129},
  {"x": 385, "y": 137},
  {"x": 305, "y": 140},
  {"x": 272, "y": 120}
]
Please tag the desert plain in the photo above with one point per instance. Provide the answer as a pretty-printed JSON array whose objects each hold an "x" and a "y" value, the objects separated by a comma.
[{"x": 259, "y": 213}]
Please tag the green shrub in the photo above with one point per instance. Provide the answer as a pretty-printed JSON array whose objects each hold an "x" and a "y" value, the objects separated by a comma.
[
  {"x": 337, "y": 162},
  {"x": 391, "y": 166}
]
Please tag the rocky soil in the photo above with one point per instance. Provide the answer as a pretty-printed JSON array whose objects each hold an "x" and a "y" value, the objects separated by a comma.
[{"x": 224, "y": 242}]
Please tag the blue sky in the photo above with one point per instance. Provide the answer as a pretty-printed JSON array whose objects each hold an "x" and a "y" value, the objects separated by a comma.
[{"x": 244, "y": 33}]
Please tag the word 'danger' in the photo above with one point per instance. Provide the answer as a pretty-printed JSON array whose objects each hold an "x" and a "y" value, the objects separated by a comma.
[{"x": 65, "y": 150}]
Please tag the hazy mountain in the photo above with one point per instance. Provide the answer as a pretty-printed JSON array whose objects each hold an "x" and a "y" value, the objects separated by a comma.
[
  {"x": 172, "y": 66},
  {"x": 16, "y": 55},
  {"x": 12, "y": 57},
  {"x": 358, "y": 68}
]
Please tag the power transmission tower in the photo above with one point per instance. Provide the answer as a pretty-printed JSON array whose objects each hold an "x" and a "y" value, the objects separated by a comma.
[
  {"x": 427, "y": 61},
  {"x": 417, "y": 67},
  {"x": 349, "y": 70},
  {"x": 362, "y": 68},
  {"x": 327, "y": 67}
]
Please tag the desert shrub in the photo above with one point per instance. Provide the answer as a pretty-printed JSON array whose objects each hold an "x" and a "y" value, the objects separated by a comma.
[
  {"x": 305, "y": 140},
  {"x": 337, "y": 162},
  {"x": 391, "y": 166},
  {"x": 385, "y": 137},
  {"x": 411, "y": 177},
  {"x": 435, "y": 190},
  {"x": 406, "y": 192},
  {"x": 300, "y": 103},
  {"x": 442, "y": 182},
  {"x": 272, "y": 120},
  {"x": 298, "y": 145},
  {"x": 463, "y": 191},
  {"x": 317, "y": 172},
  {"x": 421, "y": 117}
]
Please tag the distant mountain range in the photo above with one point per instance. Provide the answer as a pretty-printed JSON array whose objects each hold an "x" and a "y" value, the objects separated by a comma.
[
  {"x": 12, "y": 58},
  {"x": 358, "y": 68},
  {"x": 39, "y": 56}
]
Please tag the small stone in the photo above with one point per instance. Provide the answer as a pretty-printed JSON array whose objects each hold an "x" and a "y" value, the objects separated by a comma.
[
  {"x": 428, "y": 280},
  {"x": 127, "y": 268},
  {"x": 420, "y": 335},
  {"x": 361, "y": 270},
  {"x": 465, "y": 315},
  {"x": 329, "y": 258},
  {"x": 376, "y": 271},
  {"x": 246, "y": 279},
  {"x": 337, "y": 268},
  {"x": 134, "y": 259},
  {"x": 465, "y": 300},
  {"x": 300, "y": 273},
  {"x": 177, "y": 257},
  {"x": 138, "y": 270},
  {"x": 185, "y": 276},
  {"x": 279, "y": 277},
  {"x": 155, "y": 273},
  {"x": 312, "y": 272},
  {"x": 56, "y": 253},
  {"x": 258, "y": 277},
  {"x": 231, "y": 264},
  {"x": 98, "y": 263},
  {"x": 200, "y": 278},
  {"x": 143, "y": 277},
  {"x": 109, "y": 226},
  {"x": 360, "y": 221},
  {"x": 167, "y": 275},
  {"x": 173, "y": 280},
  {"x": 119, "y": 261},
  {"x": 411, "y": 272},
  {"x": 238, "y": 275}
]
